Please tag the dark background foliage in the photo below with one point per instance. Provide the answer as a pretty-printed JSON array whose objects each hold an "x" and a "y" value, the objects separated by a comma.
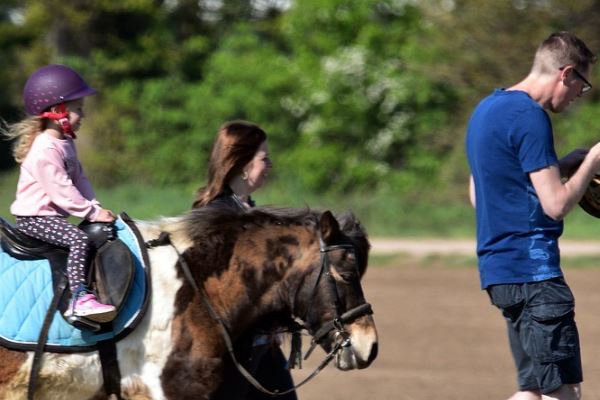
[{"x": 356, "y": 95}]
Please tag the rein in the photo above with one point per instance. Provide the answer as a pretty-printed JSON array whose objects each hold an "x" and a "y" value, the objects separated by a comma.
[{"x": 342, "y": 338}]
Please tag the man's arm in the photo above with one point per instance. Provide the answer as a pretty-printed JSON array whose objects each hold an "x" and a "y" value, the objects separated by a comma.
[{"x": 557, "y": 197}]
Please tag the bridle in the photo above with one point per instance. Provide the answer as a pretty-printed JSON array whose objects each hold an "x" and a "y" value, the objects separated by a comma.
[{"x": 342, "y": 337}]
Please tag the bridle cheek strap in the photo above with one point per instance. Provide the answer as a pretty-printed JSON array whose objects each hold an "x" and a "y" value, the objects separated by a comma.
[
  {"x": 61, "y": 117},
  {"x": 338, "y": 322}
]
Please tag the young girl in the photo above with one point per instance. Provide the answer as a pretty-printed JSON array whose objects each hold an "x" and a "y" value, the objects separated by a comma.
[{"x": 52, "y": 184}]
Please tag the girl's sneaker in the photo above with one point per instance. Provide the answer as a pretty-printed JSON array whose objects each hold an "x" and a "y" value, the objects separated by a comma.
[{"x": 86, "y": 305}]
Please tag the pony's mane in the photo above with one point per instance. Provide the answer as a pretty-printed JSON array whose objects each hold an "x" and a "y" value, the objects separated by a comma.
[
  {"x": 203, "y": 223},
  {"x": 214, "y": 230}
]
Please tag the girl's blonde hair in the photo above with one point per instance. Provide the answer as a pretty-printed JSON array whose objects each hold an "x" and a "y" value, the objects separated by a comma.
[{"x": 23, "y": 132}]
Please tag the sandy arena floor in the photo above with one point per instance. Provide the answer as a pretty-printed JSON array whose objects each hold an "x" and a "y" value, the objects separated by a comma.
[{"x": 424, "y": 352}]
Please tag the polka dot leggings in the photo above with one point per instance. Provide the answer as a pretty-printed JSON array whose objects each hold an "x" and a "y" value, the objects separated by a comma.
[{"x": 58, "y": 231}]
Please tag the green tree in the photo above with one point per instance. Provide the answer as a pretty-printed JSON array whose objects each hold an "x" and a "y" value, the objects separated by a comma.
[
  {"x": 14, "y": 37},
  {"x": 371, "y": 105},
  {"x": 355, "y": 94},
  {"x": 492, "y": 44}
]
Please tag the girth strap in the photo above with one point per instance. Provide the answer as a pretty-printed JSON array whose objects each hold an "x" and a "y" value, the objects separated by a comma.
[
  {"x": 111, "y": 374},
  {"x": 107, "y": 350},
  {"x": 41, "y": 343}
]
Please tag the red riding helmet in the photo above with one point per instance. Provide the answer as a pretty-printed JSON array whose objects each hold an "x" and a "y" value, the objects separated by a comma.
[{"x": 51, "y": 85}]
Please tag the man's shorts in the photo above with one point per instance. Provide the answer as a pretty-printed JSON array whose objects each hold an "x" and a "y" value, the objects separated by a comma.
[{"x": 542, "y": 332}]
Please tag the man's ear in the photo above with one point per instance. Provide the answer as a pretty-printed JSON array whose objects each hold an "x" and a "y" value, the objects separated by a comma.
[{"x": 566, "y": 74}]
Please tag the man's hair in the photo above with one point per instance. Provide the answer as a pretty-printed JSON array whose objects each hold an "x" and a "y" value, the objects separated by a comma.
[{"x": 560, "y": 49}]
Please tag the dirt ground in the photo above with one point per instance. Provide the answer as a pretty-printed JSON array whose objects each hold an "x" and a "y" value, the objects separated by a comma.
[{"x": 426, "y": 353}]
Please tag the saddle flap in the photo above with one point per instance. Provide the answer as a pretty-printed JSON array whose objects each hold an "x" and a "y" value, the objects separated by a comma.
[
  {"x": 113, "y": 272},
  {"x": 22, "y": 246}
]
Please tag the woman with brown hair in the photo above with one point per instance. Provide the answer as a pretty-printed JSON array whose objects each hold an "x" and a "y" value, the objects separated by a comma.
[{"x": 238, "y": 166}]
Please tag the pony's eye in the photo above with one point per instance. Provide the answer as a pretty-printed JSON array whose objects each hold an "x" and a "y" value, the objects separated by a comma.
[
  {"x": 350, "y": 257},
  {"x": 348, "y": 276}
]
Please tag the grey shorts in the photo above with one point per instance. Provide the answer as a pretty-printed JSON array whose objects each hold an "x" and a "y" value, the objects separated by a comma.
[{"x": 542, "y": 332}]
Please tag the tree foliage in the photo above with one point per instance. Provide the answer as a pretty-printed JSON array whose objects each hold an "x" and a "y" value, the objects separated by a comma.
[{"x": 354, "y": 94}]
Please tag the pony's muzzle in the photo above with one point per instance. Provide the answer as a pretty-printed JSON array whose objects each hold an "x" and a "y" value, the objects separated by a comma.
[{"x": 360, "y": 348}]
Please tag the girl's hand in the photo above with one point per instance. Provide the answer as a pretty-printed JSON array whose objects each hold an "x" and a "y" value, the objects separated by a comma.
[{"x": 105, "y": 215}]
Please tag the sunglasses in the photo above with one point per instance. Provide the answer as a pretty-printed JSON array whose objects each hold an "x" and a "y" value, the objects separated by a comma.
[{"x": 587, "y": 86}]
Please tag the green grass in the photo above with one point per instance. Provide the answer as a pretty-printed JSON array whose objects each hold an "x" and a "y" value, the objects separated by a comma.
[
  {"x": 8, "y": 186},
  {"x": 146, "y": 202},
  {"x": 382, "y": 215}
]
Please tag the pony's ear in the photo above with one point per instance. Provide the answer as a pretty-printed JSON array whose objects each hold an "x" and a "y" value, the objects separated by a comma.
[
  {"x": 348, "y": 221},
  {"x": 329, "y": 226}
]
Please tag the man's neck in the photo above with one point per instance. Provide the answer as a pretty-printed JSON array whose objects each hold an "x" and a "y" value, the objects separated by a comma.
[{"x": 538, "y": 87}]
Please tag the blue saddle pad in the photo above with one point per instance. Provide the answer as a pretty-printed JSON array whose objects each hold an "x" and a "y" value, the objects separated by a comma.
[{"x": 26, "y": 292}]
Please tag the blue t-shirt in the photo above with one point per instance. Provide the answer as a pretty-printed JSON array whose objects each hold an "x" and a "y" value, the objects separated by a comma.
[{"x": 509, "y": 136}]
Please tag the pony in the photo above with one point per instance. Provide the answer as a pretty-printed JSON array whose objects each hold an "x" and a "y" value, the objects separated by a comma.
[{"x": 223, "y": 273}]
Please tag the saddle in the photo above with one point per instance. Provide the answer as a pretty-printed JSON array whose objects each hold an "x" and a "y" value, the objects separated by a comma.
[
  {"x": 110, "y": 273},
  {"x": 119, "y": 272}
]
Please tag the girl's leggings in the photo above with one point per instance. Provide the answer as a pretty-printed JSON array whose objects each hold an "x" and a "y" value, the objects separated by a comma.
[{"x": 56, "y": 230}]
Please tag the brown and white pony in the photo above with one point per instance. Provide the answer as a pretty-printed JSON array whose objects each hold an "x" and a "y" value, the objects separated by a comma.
[{"x": 266, "y": 264}]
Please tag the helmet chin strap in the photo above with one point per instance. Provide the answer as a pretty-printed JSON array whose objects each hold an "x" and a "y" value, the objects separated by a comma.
[{"x": 61, "y": 116}]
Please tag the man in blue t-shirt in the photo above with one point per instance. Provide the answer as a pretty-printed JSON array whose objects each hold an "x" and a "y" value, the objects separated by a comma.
[{"x": 521, "y": 192}]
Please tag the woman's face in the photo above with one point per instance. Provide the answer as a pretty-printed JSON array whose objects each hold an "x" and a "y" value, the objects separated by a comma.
[{"x": 258, "y": 169}]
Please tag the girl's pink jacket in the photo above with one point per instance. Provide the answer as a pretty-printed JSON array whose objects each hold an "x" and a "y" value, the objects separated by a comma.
[{"x": 52, "y": 182}]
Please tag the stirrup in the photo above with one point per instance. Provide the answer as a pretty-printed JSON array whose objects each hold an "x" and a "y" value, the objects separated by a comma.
[
  {"x": 83, "y": 323},
  {"x": 79, "y": 321}
]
